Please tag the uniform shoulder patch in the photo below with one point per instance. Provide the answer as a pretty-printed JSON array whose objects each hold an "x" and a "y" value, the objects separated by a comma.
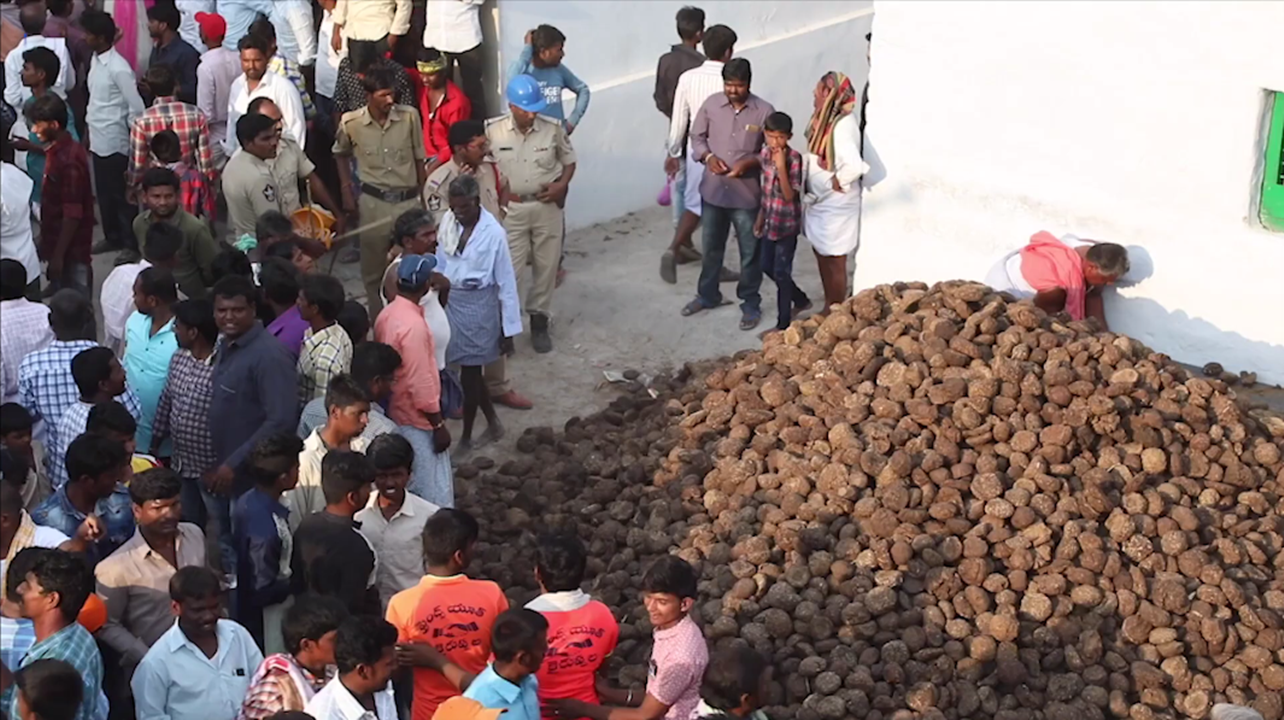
[
  {"x": 434, "y": 202},
  {"x": 269, "y": 193}
]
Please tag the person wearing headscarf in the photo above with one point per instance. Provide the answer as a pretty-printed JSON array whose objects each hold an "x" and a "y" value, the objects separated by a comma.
[{"x": 834, "y": 170}]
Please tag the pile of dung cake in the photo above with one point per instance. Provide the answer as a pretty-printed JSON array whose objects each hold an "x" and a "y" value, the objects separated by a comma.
[{"x": 932, "y": 503}]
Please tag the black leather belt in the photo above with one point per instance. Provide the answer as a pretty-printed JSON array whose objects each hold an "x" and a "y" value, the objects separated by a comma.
[{"x": 389, "y": 196}]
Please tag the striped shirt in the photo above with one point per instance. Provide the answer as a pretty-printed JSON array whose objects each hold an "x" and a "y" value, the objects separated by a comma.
[
  {"x": 323, "y": 355},
  {"x": 694, "y": 87}
]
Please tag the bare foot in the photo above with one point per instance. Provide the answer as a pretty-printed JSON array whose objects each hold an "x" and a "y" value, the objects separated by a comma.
[
  {"x": 493, "y": 433},
  {"x": 462, "y": 448}
]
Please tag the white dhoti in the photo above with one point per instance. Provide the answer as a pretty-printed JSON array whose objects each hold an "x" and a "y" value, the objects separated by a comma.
[{"x": 832, "y": 223}]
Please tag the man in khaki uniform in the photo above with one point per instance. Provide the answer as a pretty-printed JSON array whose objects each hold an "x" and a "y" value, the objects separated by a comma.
[
  {"x": 470, "y": 155},
  {"x": 388, "y": 144},
  {"x": 248, "y": 184},
  {"x": 290, "y": 166},
  {"x": 535, "y": 155}
]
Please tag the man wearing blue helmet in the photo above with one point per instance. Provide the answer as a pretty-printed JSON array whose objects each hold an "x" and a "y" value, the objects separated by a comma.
[{"x": 536, "y": 156}]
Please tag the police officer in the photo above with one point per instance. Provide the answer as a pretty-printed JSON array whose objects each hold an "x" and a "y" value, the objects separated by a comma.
[
  {"x": 248, "y": 183},
  {"x": 387, "y": 142},
  {"x": 470, "y": 155},
  {"x": 535, "y": 154}
]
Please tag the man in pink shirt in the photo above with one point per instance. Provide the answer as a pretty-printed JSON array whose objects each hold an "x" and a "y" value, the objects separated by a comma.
[{"x": 416, "y": 391}]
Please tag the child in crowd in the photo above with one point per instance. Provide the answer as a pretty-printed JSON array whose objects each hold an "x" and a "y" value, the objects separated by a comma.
[
  {"x": 541, "y": 58},
  {"x": 780, "y": 216},
  {"x": 735, "y": 684},
  {"x": 364, "y": 652},
  {"x": 288, "y": 681},
  {"x": 447, "y": 613},
  {"x": 16, "y": 426},
  {"x": 519, "y": 642},
  {"x": 678, "y": 658},
  {"x": 196, "y": 193},
  {"x": 48, "y": 690}
]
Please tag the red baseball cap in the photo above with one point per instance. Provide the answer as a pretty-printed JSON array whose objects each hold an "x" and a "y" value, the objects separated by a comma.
[{"x": 212, "y": 24}]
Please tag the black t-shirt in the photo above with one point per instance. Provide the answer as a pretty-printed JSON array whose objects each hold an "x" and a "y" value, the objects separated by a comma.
[{"x": 331, "y": 557}]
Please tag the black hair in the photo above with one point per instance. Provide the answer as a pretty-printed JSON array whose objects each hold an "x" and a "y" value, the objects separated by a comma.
[
  {"x": 70, "y": 313},
  {"x": 18, "y": 568},
  {"x": 198, "y": 314},
  {"x": 343, "y": 391},
  {"x": 464, "y": 132},
  {"x": 14, "y": 477},
  {"x": 290, "y": 715},
  {"x": 428, "y": 55},
  {"x": 281, "y": 249},
  {"x": 561, "y": 560},
  {"x": 13, "y": 279},
  {"x": 325, "y": 292},
  {"x": 544, "y": 37},
  {"x": 231, "y": 287},
  {"x": 309, "y": 618},
  {"x": 250, "y": 126},
  {"x": 263, "y": 28},
  {"x": 671, "y": 575},
  {"x": 99, "y": 24},
  {"x": 93, "y": 455},
  {"x": 272, "y": 457},
  {"x": 194, "y": 582},
  {"x": 737, "y": 70},
  {"x": 111, "y": 418},
  {"x": 231, "y": 262},
  {"x": 256, "y": 105},
  {"x": 718, "y": 41},
  {"x": 690, "y": 22},
  {"x": 344, "y": 472},
  {"x": 44, "y": 60},
  {"x": 58, "y": 7},
  {"x": 779, "y": 122},
  {"x": 154, "y": 484},
  {"x": 362, "y": 54},
  {"x": 273, "y": 224},
  {"x": 90, "y": 368},
  {"x": 51, "y": 688},
  {"x": 252, "y": 42},
  {"x": 447, "y": 532},
  {"x": 279, "y": 280},
  {"x": 730, "y": 675},
  {"x": 160, "y": 177},
  {"x": 379, "y": 79},
  {"x": 158, "y": 282},
  {"x": 414, "y": 219},
  {"x": 362, "y": 640},
  {"x": 161, "y": 80},
  {"x": 32, "y": 19},
  {"x": 167, "y": 13},
  {"x": 49, "y": 108},
  {"x": 517, "y": 630},
  {"x": 163, "y": 241},
  {"x": 354, "y": 318},
  {"x": 15, "y": 418},
  {"x": 165, "y": 146},
  {"x": 66, "y": 574},
  {"x": 373, "y": 360},
  {"x": 391, "y": 452}
]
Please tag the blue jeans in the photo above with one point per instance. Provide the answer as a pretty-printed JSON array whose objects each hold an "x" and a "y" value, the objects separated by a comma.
[
  {"x": 717, "y": 223},
  {"x": 218, "y": 516},
  {"x": 778, "y": 264}
]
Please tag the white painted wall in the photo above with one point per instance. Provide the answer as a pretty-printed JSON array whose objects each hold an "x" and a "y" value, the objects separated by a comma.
[
  {"x": 614, "y": 45},
  {"x": 1134, "y": 122}
]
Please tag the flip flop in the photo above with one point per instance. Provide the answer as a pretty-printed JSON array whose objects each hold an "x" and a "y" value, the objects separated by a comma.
[
  {"x": 750, "y": 320},
  {"x": 695, "y": 306}
]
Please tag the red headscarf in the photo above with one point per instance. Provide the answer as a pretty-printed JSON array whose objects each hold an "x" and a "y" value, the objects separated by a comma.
[{"x": 839, "y": 103}]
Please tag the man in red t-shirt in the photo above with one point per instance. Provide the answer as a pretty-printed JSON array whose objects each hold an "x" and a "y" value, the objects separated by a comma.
[
  {"x": 446, "y": 614},
  {"x": 67, "y": 200},
  {"x": 582, "y": 633},
  {"x": 441, "y": 104}
]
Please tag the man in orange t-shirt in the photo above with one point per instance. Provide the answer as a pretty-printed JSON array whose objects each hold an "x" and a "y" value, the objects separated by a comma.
[
  {"x": 582, "y": 633},
  {"x": 446, "y": 614}
]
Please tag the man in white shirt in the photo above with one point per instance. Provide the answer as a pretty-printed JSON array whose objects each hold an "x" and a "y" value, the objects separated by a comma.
[
  {"x": 365, "y": 654},
  {"x": 24, "y": 325},
  {"x": 328, "y": 58},
  {"x": 33, "y": 17},
  {"x": 199, "y": 669},
  {"x": 116, "y": 300},
  {"x": 296, "y": 40},
  {"x": 453, "y": 28},
  {"x": 114, "y": 102},
  {"x": 16, "y": 239},
  {"x": 258, "y": 82},
  {"x": 219, "y": 68},
  {"x": 189, "y": 23},
  {"x": 372, "y": 20},
  {"x": 394, "y": 520}
]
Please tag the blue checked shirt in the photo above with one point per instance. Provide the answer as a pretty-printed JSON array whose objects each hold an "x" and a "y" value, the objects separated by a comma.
[
  {"x": 75, "y": 646},
  {"x": 116, "y": 511},
  {"x": 16, "y": 638}
]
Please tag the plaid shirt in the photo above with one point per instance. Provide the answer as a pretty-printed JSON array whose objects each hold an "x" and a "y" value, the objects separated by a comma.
[
  {"x": 197, "y": 192},
  {"x": 183, "y": 413},
  {"x": 780, "y": 216},
  {"x": 46, "y": 388},
  {"x": 323, "y": 355},
  {"x": 287, "y": 69},
  {"x": 16, "y": 638},
  {"x": 273, "y": 690},
  {"x": 24, "y": 328},
  {"x": 67, "y": 193},
  {"x": 187, "y": 121},
  {"x": 350, "y": 94},
  {"x": 76, "y": 647},
  {"x": 116, "y": 512}
]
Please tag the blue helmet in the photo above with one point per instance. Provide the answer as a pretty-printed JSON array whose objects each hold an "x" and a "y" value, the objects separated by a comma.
[{"x": 523, "y": 91}]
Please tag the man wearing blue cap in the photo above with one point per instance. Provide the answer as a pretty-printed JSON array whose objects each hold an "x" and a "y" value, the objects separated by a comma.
[{"x": 536, "y": 156}]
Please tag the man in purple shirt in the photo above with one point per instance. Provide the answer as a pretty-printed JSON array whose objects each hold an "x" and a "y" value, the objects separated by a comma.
[
  {"x": 727, "y": 137},
  {"x": 280, "y": 284}
]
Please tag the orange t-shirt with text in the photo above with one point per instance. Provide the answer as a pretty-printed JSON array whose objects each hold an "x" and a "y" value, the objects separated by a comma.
[
  {"x": 454, "y": 615},
  {"x": 579, "y": 642}
]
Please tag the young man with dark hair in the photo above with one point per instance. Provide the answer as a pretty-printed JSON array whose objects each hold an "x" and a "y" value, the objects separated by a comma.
[
  {"x": 394, "y": 522},
  {"x": 326, "y": 350},
  {"x": 279, "y": 281},
  {"x": 349, "y": 409},
  {"x": 200, "y": 668},
  {"x": 441, "y": 105},
  {"x": 541, "y": 58},
  {"x": 331, "y": 557},
  {"x": 111, "y": 420},
  {"x": 364, "y": 58},
  {"x": 735, "y": 683},
  {"x": 257, "y": 81},
  {"x": 374, "y": 366},
  {"x": 134, "y": 580},
  {"x": 169, "y": 113},
  {"x": 150, "y": 343},
  {"x": 195, "y": 190},
  {"x": 67, "y": 199},
  {"x": 163, "y": 22},
  {"x": 34, "y": 21},
  {"x": 445, "y": 602},
  {"x": 262, "y": 538},
  {"x": 55, "y": 588},
  {"x": 248, "y": 183},
  {"x": 40, "y": 68},
  {"x": 96, "y": 468},
  {"x": 48, "y": 690},
  {"x": 100, "y": 378},
  {"x": 288, "y": 680},
  {"x": 16, "y": 425},
  {"x": 681, "y": 57},
  {"x": 189, "y": 253},
  {"x": 519, "y": 642},
  {"x": 24, "y": 324},
  {"x": 219, "y": 68},
  {"x": 364, "y": 652}
]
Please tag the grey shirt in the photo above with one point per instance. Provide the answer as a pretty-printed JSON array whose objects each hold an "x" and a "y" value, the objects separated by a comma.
[
  {"x": 732, "y": 135},
  {"x": 255, "y": 394}
]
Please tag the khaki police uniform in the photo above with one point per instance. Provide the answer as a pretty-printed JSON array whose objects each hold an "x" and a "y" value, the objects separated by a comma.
[
  {"x": 290, "y": 166},
  {"x": 437, "y": 200},
  {"x": 250, "y": 190},
  {"x": 388, "y": 157},
  {"x": 530, "y": 161}
]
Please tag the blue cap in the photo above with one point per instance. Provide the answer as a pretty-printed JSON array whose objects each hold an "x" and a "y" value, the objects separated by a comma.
[
  {"x": 413, "y": 270},
  {"x": 524, "y": 92}
]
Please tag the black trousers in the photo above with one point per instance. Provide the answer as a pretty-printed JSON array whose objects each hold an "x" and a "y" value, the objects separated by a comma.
[
  {"x": 117, "y": 213},
  {"x": 470, "y": 63}
]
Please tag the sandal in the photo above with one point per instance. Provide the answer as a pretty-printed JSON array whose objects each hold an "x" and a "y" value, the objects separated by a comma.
[
  {"x": 750, "y": 320},
  {"x": 693, "y": 307}
]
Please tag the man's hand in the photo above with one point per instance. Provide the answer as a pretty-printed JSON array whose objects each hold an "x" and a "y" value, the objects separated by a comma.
[
  {"x": 441, "y": 439},
  {"x": 759, "y": 225},
  {"x": 554, "y": 192},
  {"x": 439, "y": 282},
  {"x": 219, "y": 480},
  {"x": 392, "y": 42},
  {"x": 529, "y": 35},
  {"x": 55, "y": 267},
  {"x": 340, "y": 224},
  {"x": 419, "y": 654},
  {"x": 671, "y": 166},
  {"x": 336, "y": 38},
  {"x": 349, "y": 204},
  {"x": 716, "y": 165},
  {"x": 837, "y": 186},
  {"x": 22, "y": 144},
  {"x": 507, "y": 347},
  {"x": 570, "y": 127},
  {"x": 90, "y": 530},
  {"x": 566, "y": 707}
]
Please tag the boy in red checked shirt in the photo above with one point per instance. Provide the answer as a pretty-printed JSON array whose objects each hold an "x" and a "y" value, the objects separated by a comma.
[
  {"x": 67, "y": 200},
  {"x": 780, "y": 216}
]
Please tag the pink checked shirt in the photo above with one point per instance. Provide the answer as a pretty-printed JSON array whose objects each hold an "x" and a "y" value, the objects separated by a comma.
[
  {"x": 678, "y": 660},
  {"x": 416, "y": 390}
]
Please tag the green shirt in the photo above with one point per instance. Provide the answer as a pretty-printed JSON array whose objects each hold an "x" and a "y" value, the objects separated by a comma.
[{"x": 193, "y": 266}]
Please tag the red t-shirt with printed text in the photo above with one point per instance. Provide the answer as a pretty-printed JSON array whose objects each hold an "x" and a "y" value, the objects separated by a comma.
[{"x": 579, "y": 642}]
